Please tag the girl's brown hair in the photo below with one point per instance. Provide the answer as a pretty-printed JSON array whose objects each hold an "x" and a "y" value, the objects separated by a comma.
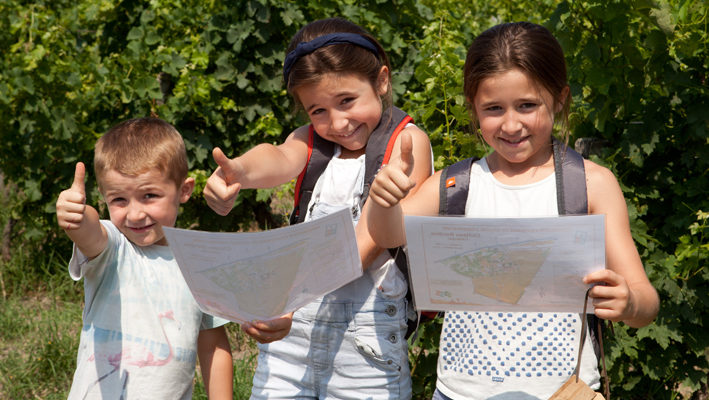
[
  {"x": 137, "y": 145},
  {"x": 339, "y": 59},
  {"x": 528, "y": 47}
]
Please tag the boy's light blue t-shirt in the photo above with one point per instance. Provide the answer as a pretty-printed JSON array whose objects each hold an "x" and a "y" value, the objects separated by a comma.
[{"x": 140, "y": 323}]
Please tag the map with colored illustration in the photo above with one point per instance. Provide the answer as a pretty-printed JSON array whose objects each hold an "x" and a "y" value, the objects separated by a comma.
[
  {"x": 503, "y": 264},
  {"x": 501, "y": 272}
]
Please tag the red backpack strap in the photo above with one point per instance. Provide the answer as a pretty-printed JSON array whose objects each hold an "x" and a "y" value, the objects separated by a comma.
[
  {"x": 311, "y": 133},
  {"x": 301, "y": 176},
  {"x": 381, "y": 144},
  {"x": 320, "y": 151},
  {"x": 390, "y": 146}
]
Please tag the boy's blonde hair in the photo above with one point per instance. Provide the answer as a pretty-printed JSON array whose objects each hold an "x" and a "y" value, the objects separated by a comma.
[{"x": 141, "y": 144}]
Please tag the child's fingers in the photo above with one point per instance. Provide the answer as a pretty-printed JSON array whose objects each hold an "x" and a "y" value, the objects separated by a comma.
[
  {"x": 70, "y": 209},
  {"x": 611, "y": 294},
  {"x": 71, "y": 221},
  {"x": 219, "y": 195},
  {"x": 385, "y": 200},
  {"x": 603, "y": 311},
  {"x": 391, "y": 185},
  {"x": 603, "y": 276},
  {"x": 274, "y": 325},
  {"x": 387, "y": 195},
  {"x": 229, "y": 169},
  {"x": 269, "y": 331}
]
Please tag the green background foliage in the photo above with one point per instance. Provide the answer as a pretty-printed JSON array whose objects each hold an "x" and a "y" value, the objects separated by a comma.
[{"x": 638, "y": 72}]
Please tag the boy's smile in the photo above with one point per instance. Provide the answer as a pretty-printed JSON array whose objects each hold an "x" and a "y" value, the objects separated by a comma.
[{"x": 141, "y": 205}]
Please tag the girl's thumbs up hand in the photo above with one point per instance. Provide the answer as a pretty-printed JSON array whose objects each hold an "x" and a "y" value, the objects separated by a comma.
[
  {"x": 223, "y": 185},
  {"x": 71, "y": 203},
  {"x": 392, "y": 183}
]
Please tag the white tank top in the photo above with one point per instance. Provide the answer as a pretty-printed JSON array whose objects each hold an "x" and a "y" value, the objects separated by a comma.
[
  {"x": 522, "y": 355},
  {"x": 342, "y": 185}
]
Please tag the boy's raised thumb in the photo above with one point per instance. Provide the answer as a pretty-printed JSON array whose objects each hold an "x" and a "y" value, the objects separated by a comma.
[
  {"x": 79, "y": 175},
  {"x": 407, "y": 156}
]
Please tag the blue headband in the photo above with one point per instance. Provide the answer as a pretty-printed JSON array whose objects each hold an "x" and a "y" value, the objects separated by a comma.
[{"x": 305, "y": 48}]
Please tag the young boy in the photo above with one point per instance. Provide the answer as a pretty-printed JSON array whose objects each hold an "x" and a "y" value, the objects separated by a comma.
[{"x": 142, "y": 328}]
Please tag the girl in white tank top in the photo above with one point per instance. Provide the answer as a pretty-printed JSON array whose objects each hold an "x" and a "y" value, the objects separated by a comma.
[{"x": 515, "y": 80}]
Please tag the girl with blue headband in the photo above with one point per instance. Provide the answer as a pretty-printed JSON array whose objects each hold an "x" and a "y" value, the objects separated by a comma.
[{"x": 350, "y": 343}]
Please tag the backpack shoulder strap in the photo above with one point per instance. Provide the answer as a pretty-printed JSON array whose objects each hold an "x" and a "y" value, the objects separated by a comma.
[
  {"x": 381, "y": 144},
  {"x": 320, "y": 151},
  {"x": 453, "y": 187},
  {"x": 570, "y": 183},
  {"x": 572, "y": 199},
  {"x": 571, "y": 195}
]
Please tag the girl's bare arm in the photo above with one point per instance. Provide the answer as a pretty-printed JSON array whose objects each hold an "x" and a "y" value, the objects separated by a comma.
[{"x": 625, "y": 293}]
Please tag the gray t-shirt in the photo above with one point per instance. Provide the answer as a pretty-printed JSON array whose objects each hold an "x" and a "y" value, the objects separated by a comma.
[{"x": 140, "y": 323}]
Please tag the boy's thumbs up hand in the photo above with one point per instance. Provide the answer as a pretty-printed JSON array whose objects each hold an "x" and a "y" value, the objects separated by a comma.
[
  {"x": 71, "y": 203},
  {"x": 223, "y": 185},
  {"x": 79, "y": 175},
  {"x": 392, "y": 183}
]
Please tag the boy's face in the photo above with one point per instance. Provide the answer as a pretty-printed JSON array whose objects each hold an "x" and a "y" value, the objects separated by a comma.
[{"x": 141, "y": 205}]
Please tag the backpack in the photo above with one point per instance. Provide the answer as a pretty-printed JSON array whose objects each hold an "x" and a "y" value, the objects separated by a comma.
[
  {"x": 571, "y": 198},
  {"x": 320, "y": 151},
  {"x": 379, "y": 148}
]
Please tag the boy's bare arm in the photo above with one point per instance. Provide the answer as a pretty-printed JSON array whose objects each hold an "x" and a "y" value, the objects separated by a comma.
[
  {"x": 79, "y": 221},
  {"x": 216, "y": 363},
  {"x": 263, "y": 166}
]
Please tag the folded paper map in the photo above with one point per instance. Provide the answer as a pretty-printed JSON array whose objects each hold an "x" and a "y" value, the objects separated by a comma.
[
  {"x": 263, "y": 275},
  {"x": 503, "y": 264}
]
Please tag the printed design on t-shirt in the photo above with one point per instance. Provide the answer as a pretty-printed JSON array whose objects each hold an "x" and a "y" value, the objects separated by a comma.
[
  {"x": 501, "y": 272},
  {"x": 136, "y": 352},
  {"x": 502, "y": 346}
]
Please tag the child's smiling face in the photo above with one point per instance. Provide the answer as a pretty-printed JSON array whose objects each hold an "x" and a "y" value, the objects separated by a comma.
[
  {"x": 141, "y": 205},
  {"x": 344, "y": 109},
  {"x": 516, "y": 116}
]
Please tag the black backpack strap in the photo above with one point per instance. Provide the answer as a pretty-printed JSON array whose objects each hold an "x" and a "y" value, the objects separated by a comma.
[
  {"x": 572, "y": 199},
  {"x": 571, "y": 196},
  {"x": 453, "y": 192},
  {"x": 381, "y": 143},
  {"x": 320, "y": 151},
  {"x": 454, "y": 186}
]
